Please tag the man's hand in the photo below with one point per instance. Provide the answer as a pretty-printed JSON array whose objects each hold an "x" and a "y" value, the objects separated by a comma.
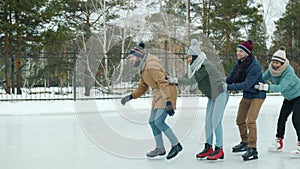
[
  {"x": 126, "y": 99},
  {"x": 261, "y": 86},
  {"x": 169, "y": 108}
]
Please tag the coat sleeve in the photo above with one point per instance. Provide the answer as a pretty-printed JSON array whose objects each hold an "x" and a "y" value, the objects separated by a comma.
[
  {"x": 140, "y": 90},
  {"x": 184, "y": 80},
  {"x": 284, "y": 82}
]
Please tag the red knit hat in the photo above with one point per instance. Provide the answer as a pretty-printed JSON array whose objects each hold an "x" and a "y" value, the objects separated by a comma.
[{"x": 246, "y": 46}]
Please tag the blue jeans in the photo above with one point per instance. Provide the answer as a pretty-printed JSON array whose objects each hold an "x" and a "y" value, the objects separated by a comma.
[
  {"x": 213, "y": 119},
  {"x": 157, "y": 122}
]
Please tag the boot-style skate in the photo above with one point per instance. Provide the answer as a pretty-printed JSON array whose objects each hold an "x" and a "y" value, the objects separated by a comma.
[
  {"x": 205, "y": 152},
  {"x": 175, "y": 152},
  {"x": 296, "y": 153},
  {"x": 240, "y": 147},
  {"x": 157, "y": 153},
  {"x": 251, "y": 154},
  {"x": 217, "y": 154},
  {"x": 277, "y": 145}
]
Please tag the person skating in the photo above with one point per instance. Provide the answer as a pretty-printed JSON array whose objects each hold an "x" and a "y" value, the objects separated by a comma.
[
  {"x": 283, "y": 79},
  {"x": 245, "y": 73},
  {"x": 212, "y": 83},
  {"x": 154, "y": 76}
]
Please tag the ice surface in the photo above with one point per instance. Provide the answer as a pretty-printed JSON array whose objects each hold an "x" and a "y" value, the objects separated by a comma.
[{"x": 50, "y": 135}]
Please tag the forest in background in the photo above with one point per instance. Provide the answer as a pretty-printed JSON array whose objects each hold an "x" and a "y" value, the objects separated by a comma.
[{"x": 40, "y": 38}]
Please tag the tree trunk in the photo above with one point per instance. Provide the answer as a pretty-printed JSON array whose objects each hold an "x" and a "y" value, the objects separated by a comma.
[
  {"x": 6, "y": 42},
  {"x": 12, "y": 72},
  {"x": 87, "y": 82},
  {"x": 189, "y": 18},
  {"x": 18, "y": 65},
  {"x": 18, "y": 60},
  {"x": 7, "y": 63}
]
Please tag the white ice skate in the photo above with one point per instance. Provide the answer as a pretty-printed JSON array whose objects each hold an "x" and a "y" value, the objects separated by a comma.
[
  {"x": 296, "y": 153},
  {"x": 276, "y": 146}
]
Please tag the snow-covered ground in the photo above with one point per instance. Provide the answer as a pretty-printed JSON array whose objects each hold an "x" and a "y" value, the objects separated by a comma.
[{"x": 105, "y": 134}]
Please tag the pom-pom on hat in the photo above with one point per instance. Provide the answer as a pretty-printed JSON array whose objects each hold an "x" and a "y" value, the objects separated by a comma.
[
  {"x": 138, "y": 50},
  {"x": 280, "y": 55},
  {"x": 246, "y": 46},
  {"x": 194, "y": 48}
]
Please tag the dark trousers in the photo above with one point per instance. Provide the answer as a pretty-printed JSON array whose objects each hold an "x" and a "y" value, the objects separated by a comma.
[{"x": 287, "y": 108}]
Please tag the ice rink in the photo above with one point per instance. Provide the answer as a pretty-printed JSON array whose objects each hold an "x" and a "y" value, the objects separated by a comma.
[{"x": 102, "y": 134}]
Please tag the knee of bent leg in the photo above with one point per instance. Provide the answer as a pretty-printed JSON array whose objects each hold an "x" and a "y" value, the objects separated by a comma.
[
  {"x": 161, "y": 125},
  {"x": 251, "y": 122},
  {"x": 152, "y": 123},
  {"x": 158, "y": 123},
  {"x": 240, "y": 122}
]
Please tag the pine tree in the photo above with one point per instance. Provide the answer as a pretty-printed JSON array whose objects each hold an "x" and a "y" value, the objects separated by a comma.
[
  {"x": 22, "y": 23},
  {"x": 229, "y": 20},
  {"x": 288, "y": 33}
]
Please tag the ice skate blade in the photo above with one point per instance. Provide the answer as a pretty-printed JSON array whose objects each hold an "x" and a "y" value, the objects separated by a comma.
[
  {"x": 238, "y": 151},
  {"x": 176, "y": 157},
  {"x": 250, "y": 158},
  {"x": 215, "y": 161},
  {"x": 221, "y": 158},
  {"x": 156, "y": 157},
  {"x": 295, "y": 155},
  {"x": 203, "y": 158},
  {"x": 274, "y": 150}
]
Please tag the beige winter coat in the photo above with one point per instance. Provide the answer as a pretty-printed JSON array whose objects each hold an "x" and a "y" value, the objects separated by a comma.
[{"x": 155, "y": 77}]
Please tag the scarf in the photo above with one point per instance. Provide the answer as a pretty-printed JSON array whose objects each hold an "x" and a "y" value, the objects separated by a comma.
[
  {"x": 243, "y": 64},
  {"x": 280, "y": 70},
  {"x": 196, "y": 64}
]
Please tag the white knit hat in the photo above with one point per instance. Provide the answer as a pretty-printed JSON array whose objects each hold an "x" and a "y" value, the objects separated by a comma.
[
  {"x": 194, "y": 48},
  {"x": 280, "y": 55}
]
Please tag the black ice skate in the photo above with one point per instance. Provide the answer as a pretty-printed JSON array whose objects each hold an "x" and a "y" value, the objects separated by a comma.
[
  {"x": 251, "y": 154},
  {"x": 175, "y": 151},
  {"x": 240, "y": 147}
]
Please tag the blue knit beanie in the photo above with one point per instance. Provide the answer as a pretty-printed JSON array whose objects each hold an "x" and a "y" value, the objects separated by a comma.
[{"x": 138, "y": 50}]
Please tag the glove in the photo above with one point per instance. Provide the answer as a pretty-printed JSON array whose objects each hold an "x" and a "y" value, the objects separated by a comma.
[
  {"x": 261, "y": 86},
  {"x": 126, "y": 99},
  {"x": 169, "y": 108},
  {"x": 173, "y": 80}
]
